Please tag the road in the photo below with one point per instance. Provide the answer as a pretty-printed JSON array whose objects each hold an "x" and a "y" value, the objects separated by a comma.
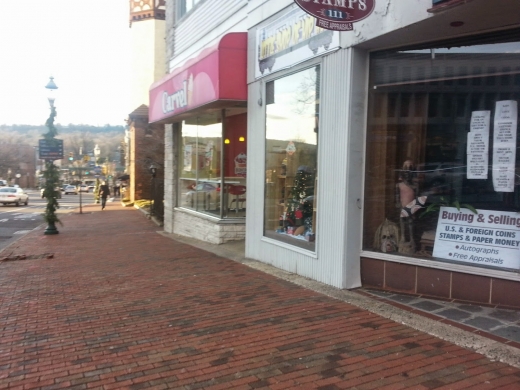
[{"x": 18, "y": 221}]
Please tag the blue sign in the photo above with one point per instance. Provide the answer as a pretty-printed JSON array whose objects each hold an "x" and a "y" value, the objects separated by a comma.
[{"x": 50, "y": 149}]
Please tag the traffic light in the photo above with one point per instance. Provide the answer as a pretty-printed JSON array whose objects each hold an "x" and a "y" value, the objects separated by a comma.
[{"x": 71, "y": 156}]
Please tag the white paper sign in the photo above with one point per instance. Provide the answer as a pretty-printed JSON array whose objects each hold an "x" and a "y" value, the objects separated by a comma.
[
  {"x": 478, "y": 145},
  {"x": 477, "y": 166},
  {"x": 489, "y": 237},
  {"x": 480, "y": 121},
  {"x": 478, "y": 142},
  {"x": 504, "y": 145},
  {"x": 187, "y": 157}
]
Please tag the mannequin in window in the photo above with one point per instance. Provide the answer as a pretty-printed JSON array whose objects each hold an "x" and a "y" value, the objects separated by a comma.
[{"x": 409, "y": 203}]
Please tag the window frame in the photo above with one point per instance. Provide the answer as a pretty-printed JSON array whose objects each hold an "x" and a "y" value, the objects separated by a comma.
[
  {"x": 306, "y": 65},
  {"x": 181, "y": 11},
  {"x": 436, "y": 263}
]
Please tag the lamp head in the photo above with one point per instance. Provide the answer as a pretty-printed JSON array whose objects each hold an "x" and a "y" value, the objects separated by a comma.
[
  {"x": 51, "y": 88},
  {"x": 153, "y": 169}
]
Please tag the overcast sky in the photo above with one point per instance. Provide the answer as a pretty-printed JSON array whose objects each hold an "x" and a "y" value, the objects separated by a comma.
[{"x": 84, "y": 45}]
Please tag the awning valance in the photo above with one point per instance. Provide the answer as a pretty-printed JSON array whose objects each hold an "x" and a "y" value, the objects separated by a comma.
[{"x": 216, "y": 78}]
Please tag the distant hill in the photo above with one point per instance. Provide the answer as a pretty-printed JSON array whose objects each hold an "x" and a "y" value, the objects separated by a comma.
[
  {"x": 78, "y": 139},
  {"x": 70, "y": 128}
]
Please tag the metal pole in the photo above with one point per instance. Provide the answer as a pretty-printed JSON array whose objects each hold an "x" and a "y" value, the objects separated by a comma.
[
  {"x": 153, "y": 196},
  {"x": 80, "y": 196},
  {"x": 223, "y": 195}
]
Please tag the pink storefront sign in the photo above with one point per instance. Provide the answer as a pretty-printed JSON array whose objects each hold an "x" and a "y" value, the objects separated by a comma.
[{"x": 216, "y": 76}]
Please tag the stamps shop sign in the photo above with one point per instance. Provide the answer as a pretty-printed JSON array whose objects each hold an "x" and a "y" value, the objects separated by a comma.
[
  {"x": 337, "y": 15},
  {"x": 489, "y": 237}
]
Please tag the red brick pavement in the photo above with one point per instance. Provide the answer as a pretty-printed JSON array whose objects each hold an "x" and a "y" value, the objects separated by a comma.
[{"x": 119, "y": 306}]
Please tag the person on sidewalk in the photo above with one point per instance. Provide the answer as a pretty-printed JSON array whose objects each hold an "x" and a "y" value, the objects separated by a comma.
[{"x": 104, "y": 193}]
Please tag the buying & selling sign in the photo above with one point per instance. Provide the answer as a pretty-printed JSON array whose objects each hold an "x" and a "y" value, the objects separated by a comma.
[
  {"x": 488, "y": 237},
  {"x": 337, "y": 15}
]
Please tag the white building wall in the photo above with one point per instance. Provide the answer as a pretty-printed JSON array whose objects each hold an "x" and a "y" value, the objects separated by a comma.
[
  {"x": 340, "y": 176},
  {"x": 395, "y": 23},
  {"x": 148, "y": 58},
  {"x": 203, "y": 27}
]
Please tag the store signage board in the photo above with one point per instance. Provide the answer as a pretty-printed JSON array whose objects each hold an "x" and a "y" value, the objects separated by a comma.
[
  {"x": 290, "y": 40},
  {"x": 50, "y": 149},
  {"x": 217, "y": 73},
  {"x": 337, "y": 15},
  {"x": 488, "y": 237}
]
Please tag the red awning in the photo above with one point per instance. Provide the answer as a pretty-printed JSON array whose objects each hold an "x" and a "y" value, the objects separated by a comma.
[{"x": 216, "y": 78}]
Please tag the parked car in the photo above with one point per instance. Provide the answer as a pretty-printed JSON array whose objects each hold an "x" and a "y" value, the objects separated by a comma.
[
  {"x": 57, "y": 189},
  {"x": 83, "y": 188},
  {"x": 207, "y": 195},
  {"x": 70, "y": 190},
  {"x": 14, "y": 195},
  {"x": 3, "y": 183}
]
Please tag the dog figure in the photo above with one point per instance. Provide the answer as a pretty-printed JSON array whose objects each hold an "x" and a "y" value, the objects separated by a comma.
[{"x": 387, "y": 237}]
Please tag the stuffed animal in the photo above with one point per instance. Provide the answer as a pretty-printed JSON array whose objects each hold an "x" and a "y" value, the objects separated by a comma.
[{"x": 387, "y": 237}]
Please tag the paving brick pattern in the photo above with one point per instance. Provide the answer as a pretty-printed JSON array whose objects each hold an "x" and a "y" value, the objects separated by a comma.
[{"x": 120, "y": 306}]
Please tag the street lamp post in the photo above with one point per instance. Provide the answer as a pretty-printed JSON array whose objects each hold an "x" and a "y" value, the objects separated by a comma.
[
  {"x": 35, "y": 181},
  {"x": 153, "y": 171},
  {"x": 51, "y": 173},
  {"x": 97, "y": 152}
]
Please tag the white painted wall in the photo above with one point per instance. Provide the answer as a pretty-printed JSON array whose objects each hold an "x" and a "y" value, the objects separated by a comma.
[
  {"x": 204, "y": 27},
  {"x": 148, "y": 58}
]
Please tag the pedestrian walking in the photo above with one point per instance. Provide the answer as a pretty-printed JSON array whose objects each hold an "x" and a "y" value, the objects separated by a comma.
[{"x": 104, "y": 193}]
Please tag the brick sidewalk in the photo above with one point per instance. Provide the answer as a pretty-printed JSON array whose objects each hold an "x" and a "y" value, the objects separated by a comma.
[{"x": 119, "y": 306}]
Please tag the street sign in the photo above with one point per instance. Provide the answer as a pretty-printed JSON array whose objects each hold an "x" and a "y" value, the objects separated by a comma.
[{"x": 50, "y": 149}]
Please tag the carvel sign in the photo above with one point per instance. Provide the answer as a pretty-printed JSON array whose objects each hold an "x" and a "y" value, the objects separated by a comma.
[{"x": 337, "y": 15}]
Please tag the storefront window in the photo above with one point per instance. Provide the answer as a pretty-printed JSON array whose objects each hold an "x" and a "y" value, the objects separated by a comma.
[
  {"x": 441, "y": 167},
  {"x": 292, "y": 107},
  {"x": 211, "y": 181}
]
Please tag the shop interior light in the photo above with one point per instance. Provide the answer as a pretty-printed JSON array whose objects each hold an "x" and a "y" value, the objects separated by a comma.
[{"x": 227, "y": 141}]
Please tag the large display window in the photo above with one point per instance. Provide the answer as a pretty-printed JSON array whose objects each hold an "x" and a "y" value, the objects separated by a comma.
[
  {"x": 292, "y": 108},
  {"x": 441, "y": 167},
  {"x": 213, "y": 165}
]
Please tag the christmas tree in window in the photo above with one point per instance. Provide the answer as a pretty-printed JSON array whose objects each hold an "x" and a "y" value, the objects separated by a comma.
[{"x": 300, "y": 199}]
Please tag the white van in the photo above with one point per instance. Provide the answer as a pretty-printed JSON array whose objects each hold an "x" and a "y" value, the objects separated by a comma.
[{"x": 3, "y": 183}]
